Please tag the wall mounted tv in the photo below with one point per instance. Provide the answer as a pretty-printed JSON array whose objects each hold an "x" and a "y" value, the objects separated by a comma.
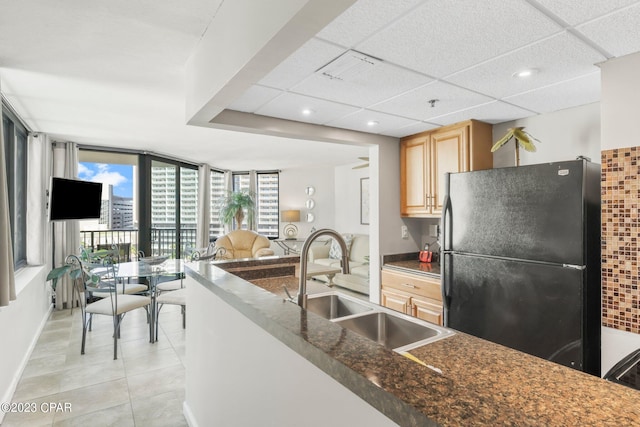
[{"x": 74, "y": 199}]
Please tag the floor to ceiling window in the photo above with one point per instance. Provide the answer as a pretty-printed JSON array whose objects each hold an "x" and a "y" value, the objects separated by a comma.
[
  {"x": 267, "y": 199},
  {"x": 173, "y": 188},
  {"x": 14, "y": 139}
]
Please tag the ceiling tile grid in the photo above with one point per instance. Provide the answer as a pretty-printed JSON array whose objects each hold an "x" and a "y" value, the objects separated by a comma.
[
  {"x": 618, "y": 33},
  {"x": 254, "y": 98},
  {"x": 370, "y": 85},
  {"x": 572, "y": 93},
  {"x": 492, "y": 112},
  {"x": 576, "y": 12},
  {"x": 290, "y": 106},
  {"x": 415, "y": 104},
  {"x": 443, "y": 36},
  {"x": 557, "y": 58},
  {"x": 302, "y": 63},
  {"x": 417, "y": 127},
  {"x": 363, "y": 18},
  {"x": 371, "y": 121}
]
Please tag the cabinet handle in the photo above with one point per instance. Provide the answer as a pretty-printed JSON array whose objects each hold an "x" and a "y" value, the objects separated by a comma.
[{"x": 409, "y": 285}]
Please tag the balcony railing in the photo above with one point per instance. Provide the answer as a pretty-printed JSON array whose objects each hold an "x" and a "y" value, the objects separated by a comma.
[{"x": 163, "y": 241}]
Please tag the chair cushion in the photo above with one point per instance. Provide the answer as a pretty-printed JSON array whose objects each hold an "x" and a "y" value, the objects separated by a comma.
[
  {"x": 125, "y": 303},
  {"x": 178, "y": 297},
  {"x": 129, "y": 288},
  {"x": 171, "y": 285},
  {"x": 335, "y": 251}
]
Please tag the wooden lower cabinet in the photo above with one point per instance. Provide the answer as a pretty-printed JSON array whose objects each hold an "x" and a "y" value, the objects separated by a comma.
[{"x": 414, "y": 295}]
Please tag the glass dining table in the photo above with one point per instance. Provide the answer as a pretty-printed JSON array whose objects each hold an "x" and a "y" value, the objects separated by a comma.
[{"x": 125, "y": 271}]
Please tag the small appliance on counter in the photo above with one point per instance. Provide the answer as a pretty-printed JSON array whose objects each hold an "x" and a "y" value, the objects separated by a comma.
[{"x": 430, "y": 253}]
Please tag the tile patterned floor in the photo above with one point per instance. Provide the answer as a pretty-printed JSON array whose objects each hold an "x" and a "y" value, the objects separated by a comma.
[{"x": 143, "y": 387}]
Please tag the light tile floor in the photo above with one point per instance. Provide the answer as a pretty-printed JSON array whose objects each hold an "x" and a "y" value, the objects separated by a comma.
[{"x": 143, "y": 387}]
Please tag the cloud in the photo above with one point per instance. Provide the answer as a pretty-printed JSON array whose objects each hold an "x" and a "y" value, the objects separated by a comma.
[
  {"x": 84, "y": 172},
  {"x": 106, "y": 177}
]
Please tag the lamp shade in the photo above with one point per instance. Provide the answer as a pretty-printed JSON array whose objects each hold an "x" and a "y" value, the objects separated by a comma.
[{"x": 290, "y": 216}]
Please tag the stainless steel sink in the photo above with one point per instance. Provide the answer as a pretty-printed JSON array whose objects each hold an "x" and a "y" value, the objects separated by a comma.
[
  {"x": 389, "y": 330},
  {"x": 332, "y": 306},
  {"x": 395, "y": 331}
]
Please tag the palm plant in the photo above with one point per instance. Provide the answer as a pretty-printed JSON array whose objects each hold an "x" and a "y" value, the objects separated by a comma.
[
  {"x": 521, "y": 137},
  {"x": 234, "y": 205}
]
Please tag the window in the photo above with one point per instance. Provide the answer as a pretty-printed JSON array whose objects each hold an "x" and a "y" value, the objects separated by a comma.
[
  {"x": 15, "y": 146},
  {"x": 216, "y": 228},
  {"x": 267, "y": 200}
]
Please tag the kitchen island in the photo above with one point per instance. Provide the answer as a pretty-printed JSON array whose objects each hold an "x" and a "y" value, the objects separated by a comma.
[{"x": 255, "y": 359}]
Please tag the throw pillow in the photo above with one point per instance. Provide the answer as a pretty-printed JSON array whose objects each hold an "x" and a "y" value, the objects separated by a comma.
[{"x": 335, "y": 252}]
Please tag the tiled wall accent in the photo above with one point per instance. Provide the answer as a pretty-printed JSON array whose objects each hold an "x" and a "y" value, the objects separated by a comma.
[{"x": 620, "y": 238}]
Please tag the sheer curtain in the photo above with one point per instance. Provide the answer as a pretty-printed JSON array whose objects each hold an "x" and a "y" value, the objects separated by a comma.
[
  {"x": 7, "y": 278},
  {"x": 228, "y": 186},
  {"x": 66, "y": 234},
  {"x": 204, "y": 208},
  {"x": 38, "y": 237},
  {"x": 253, "y": 183}
]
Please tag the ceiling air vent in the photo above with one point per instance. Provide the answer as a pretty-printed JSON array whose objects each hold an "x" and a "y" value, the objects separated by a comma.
[{"x": 348, "y": 66}]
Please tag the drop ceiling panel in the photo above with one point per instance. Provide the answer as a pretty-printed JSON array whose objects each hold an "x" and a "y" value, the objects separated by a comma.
[
  {"x": 290, "y": 105},
  {"x": 373, "y": 84},
  {"x": 302, "y": 63},
  {"x": 253, "y": 98},
  {"x": 493, "y": 112},
  {"x": 445, "y": 36},
  {"x": 617, "y": 33},
  {"x": 578, "y": 11},
  {"x": 415, "y": 104},
  {"x": 411, "y": 129},
  {"x": 359, "y": 121},
  {"x": 572, "y": 93},
  {"x": 363, "y": 18},
  {"x": 557, "y": 58}
]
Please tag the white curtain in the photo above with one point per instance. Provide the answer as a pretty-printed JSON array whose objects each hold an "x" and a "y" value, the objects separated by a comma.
[
  {"x": 228, "y": 186},
  {"x": 66, "y": 234},
  {"x": 38, "y": 236},
  {"x": 253, "y": 184},
  {"x": 7, "y": 277},
  {"x": 204, "y": 208}
]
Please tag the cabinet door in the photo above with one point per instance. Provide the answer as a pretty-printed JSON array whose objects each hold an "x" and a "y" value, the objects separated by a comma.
[
  {"x": 449, "y": 153},
  {"x": 427, "y": 309},
  {"x": 395, "y": 300},
  {"x": 414, "y": 197}
]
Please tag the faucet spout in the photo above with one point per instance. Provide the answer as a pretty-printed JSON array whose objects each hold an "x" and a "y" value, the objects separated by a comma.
[{"x": 304, "y": 255}]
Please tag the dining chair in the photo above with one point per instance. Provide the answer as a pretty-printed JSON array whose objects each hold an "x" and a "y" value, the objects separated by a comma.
[
  {"x": 178, "y": 297},
  {"x": 115, "y": 304},
  {"x": 124, "y": 287}
]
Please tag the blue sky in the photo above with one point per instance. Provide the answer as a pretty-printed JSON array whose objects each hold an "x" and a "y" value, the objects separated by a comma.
[{"x": 120, "y": 176}]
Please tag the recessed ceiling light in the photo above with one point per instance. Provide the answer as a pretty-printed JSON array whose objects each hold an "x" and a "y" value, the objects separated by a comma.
[
  {"x": 523, "y": 74},
  {"x": 308, "y": 111},
  {"x": 372, "y": 123}
]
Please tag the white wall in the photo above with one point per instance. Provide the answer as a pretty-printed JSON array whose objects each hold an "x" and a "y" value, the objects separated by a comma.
[
  {"x": 20, "y": 326},
  {"x": 563, "y": 135},
  {"x": 347, "y": 199},
  {"x": 292, "y": 196}
]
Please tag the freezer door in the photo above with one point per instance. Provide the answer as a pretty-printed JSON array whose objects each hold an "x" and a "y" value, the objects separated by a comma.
[
  {"x": 534, "y": 308},
  {"x": 528, "y": 212}
]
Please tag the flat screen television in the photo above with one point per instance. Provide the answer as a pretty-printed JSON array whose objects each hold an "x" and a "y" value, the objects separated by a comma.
[{"x": 74, "y": 199}]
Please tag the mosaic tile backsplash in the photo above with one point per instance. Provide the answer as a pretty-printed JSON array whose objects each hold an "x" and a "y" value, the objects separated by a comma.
[{"x": 620, "y": 238}]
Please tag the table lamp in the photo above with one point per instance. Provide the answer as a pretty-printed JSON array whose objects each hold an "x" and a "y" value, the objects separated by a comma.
[{"x": 290, "y": 231}]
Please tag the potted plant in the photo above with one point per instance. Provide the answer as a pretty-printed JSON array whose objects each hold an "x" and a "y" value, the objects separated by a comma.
[
  {"x": 234, "y": 205},
  {"x": 520, "y": 137},
  {"x": 58, "y": 273}
]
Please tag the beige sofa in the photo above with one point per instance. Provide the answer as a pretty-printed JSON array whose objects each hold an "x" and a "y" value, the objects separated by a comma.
[{"x": 358, "y": 279}]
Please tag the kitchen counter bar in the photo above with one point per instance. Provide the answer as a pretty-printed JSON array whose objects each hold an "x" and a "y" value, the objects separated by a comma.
[{"x": 481, "y": 383}]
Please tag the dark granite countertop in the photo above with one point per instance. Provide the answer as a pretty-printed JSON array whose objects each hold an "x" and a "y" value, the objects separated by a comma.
[
  {"x": 481, "y": 383},
  {"x": 415, "y": 267}
]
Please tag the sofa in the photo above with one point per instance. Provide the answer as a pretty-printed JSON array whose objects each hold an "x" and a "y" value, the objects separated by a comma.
[{"x": 330, "y": 255}]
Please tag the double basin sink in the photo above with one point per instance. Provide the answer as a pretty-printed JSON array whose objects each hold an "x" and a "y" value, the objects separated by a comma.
[{"x": 391, "y": 329}]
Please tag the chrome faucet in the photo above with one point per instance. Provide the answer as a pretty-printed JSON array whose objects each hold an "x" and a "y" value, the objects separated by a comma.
[{"x": 304, "y": 254}]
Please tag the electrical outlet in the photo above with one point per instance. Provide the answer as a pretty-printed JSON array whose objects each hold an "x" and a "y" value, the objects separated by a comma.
[{"x": 404, "y": 232}]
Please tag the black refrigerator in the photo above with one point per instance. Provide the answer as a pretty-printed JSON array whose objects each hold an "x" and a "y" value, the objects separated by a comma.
[{"x": 521, "y": 259}]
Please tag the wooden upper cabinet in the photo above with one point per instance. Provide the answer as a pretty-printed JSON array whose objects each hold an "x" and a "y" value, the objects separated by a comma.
[{"x": 427, "y": 156}]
